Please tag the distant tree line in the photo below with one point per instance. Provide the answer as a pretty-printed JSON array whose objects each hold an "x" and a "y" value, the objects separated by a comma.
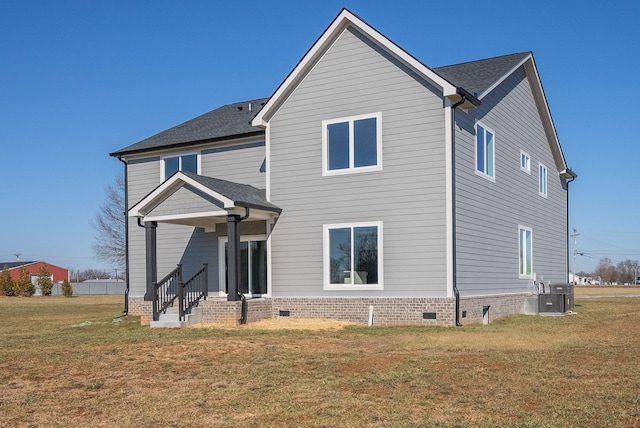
[
  {"x": 83, "y": 275},
  {"x": 625, "y": 272}
]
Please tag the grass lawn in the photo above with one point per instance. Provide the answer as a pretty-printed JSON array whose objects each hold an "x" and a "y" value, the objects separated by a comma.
[
  {"x": 65, "y": 362},
  {"x": 589, "y": 291}
]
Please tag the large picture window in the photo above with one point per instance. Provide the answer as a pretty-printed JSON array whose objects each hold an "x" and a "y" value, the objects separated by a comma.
[
  {"x": 352, "y": 144},
  {"x": 172, "y": 164},
  {"x": 485, "y": 151},
  {"x": 525, "y": 255},
  {"x": 353, "y": 256}
]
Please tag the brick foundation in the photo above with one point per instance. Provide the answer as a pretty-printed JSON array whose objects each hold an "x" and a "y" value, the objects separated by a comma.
[
  {"x": 499, "y": 306},
  {"x": 386, "y": 311}
]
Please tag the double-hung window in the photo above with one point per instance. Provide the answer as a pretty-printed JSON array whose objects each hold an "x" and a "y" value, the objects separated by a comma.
[
  {"x": 352, "y": 144},
  {"x": 542, "y": 180},
  {"x": 353, "y": 256},
  {"x": 525, "y": 255},
  {"x": 485, "y": 151},
  {"x": 172, "y": 164}
]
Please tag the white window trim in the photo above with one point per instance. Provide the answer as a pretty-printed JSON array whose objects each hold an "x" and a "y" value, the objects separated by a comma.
[
  {"x": 179, "y": 155},
  {"x": 526, "y": 168},
  {"x": 222, "y": 273},
  {"x": 327, "y": 264},
  {"x": 545, "y": 191},
  {"x": 351, "y": 169},
  {"x": 493, "y": 152},
  {"x": 520, "y": 274}
]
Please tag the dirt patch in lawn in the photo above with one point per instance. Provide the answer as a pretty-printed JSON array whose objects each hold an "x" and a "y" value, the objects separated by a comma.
[{"x": 283, "y": 324}]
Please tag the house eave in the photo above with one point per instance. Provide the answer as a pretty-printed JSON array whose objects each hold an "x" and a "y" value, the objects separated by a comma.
[
  {"x": 568, "y": 174},
  {"x": 190, "y": 144}
]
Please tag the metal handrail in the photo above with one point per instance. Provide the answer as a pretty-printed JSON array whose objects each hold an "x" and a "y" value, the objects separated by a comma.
[
  {"x": 192, "y": 291},
  {"x": 163, "y": 295}
]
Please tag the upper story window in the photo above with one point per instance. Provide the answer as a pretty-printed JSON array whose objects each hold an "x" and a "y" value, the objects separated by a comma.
[
  {"x": 525, "y": 162},
  {"x": 542, "y": 180},
  {"x": 172, "y": 164},
  {"x": 352, "y": 144},
  {"x": 485, "y": 151},
  {"x": 353, "y": 256}
]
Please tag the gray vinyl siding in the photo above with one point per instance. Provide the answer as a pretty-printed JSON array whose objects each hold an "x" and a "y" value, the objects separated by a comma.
[
  {"x": 183, "y": 244},
  {"x": 489, "y": 213},
  {"x": 355, "y": 77},
  {"x": 239, "y": 163},
  {"x": 187, "y": 200}
]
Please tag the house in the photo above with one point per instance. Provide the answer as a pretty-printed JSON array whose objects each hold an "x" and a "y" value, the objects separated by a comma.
[
  {"x": 368, "y": 187},
  {"x": 58, "y": 274},
  {"x": 582, "y": 280}
]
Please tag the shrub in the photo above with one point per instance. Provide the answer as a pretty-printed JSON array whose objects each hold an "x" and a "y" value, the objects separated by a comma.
[
  {"x": 23, "y": 286},
  {"x": 6, "y": 283},
  {"x": 44, "y": 281},
  {"x": 67, "y": 289}
]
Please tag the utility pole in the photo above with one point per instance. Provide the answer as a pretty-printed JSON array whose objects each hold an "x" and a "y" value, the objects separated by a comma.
[
  {"x": 17, "y": 256},
  {"x": 575, "y": 253}
]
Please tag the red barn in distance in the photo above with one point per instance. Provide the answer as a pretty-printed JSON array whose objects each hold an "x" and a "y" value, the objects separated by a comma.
[{"x": 58, "y": 274}]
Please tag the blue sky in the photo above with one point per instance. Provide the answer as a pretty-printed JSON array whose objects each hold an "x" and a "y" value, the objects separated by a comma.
[{"x": 81, "y": 79}]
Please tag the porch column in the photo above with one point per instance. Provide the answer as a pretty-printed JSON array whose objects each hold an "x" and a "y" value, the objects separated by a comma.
[
  {"x": 233, "y": 257},
  {"x": 152, "y": 258}
]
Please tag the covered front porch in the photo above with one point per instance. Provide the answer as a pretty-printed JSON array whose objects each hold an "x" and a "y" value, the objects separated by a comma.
[{"x": 213, "y": 207}]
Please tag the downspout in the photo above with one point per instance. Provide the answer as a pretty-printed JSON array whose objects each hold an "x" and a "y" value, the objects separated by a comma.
[
  {"x": 126, "y": 235},
  {"x": 456, "y": 293},
  {"x": 571, "y": 178},
  {"x": 243, "y": 299}
]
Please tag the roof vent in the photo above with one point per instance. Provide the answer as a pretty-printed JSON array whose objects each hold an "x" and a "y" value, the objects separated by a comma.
[{"x": 239, "y": 108}]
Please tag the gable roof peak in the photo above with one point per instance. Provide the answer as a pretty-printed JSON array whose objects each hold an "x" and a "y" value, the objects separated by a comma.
[{"x": 346, "y": 19}]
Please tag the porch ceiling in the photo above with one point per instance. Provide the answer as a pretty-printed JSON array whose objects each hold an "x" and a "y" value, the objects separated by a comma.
[{"x": 198, "y": 201}]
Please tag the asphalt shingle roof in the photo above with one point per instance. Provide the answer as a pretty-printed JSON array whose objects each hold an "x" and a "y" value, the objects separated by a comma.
[
  {"x": 233, "y": 120},
  {"x": 476, "y": 76},
  {"x": 242, "y": 195},
  {"x": 224, "y": 122}
]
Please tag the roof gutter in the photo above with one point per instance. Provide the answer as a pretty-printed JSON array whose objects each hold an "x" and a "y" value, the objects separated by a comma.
[
  {"x": 121, "y": 153},
  {"x": 467, "y": 99}
]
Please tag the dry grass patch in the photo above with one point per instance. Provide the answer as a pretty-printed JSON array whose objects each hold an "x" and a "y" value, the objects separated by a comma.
[
  {"x": 606, "y": 291},
  {"x": 520, "y": 371}
]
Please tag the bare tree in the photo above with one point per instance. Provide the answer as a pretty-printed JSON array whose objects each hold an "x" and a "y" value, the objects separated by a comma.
[
  {"x": 605, "y": 271},
  {"x": 109, "y": 244},
  {"x": 624, "y": 272},
  {"x": 627, "y": 271}
]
